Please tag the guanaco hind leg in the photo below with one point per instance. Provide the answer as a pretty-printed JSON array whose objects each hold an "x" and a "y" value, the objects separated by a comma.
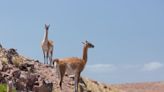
[
  {"x": 50, "y": 57},
  {"x": 62, "y": 69}
]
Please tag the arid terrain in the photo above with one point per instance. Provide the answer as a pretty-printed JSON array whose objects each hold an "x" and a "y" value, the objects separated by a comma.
[
  {"x": 26, "y": 75},
  {"x": 142, "y": 87},
  {"x": 29, "y": 75}
]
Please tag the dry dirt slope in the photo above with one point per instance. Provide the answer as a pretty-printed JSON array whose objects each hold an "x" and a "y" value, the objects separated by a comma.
[
  {"x": 142, "y": 87},
  {"x": 29, "y": 75}
]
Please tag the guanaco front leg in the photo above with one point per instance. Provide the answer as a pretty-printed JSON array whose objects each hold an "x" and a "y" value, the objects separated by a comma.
[
  {"x": 77, "y": 76},
  {"x": 47, "y": 55}
]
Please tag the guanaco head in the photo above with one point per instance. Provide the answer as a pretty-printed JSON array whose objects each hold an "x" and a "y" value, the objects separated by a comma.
[
  {"x": 47, "y": 27},
  {"x": 88, "y": 44}
]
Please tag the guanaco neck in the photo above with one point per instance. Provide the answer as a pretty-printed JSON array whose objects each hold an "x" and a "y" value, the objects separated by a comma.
[
  {"x": 46, "y": 35},
  {"x": 85, "y": 55}
]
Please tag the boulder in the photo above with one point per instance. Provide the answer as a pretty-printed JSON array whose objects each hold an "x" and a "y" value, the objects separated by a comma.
[{"x": 45, "y": 87}]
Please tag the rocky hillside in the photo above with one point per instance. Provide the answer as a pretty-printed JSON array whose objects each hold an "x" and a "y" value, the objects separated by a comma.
[
  {"x": 23, "y": 74},
  {"x": 29, "y": 75}
]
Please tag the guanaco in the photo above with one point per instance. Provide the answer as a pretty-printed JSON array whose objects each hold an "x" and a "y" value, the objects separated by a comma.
[
  {"x": 76, "y": 65},
  {"x": 47, "y": 46}
]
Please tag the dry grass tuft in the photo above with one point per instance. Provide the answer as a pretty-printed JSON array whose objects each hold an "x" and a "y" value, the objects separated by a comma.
[
  {"x": 17, "y": 61},
  {"x": 4, "y": 61},
  {"x": 94, "y": 86}
]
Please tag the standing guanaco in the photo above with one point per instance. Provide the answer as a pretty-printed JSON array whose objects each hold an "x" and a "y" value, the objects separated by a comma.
[
  {"x": 76, "y": 65},
  {"x": 47, "y": 46}
]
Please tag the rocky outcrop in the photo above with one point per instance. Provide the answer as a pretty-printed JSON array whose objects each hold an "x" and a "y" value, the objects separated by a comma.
[
  {"x": 28, "y": 75},
  {"x": 19, "y": 72}
]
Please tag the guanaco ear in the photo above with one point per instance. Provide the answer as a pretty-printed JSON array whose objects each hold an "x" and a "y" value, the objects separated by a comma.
[
  {"x": 83, "y": 42},
  {"x": 86, "y": 41},
  {"x": 48, "y": 25}
]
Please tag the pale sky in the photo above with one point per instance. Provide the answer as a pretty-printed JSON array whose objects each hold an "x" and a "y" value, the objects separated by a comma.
[{"x": 128, "y": 34}]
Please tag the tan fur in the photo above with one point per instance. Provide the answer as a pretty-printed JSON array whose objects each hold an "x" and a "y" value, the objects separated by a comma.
[
  {"x": 47, "y": 47},
  {"x": 74, "y": 64}
]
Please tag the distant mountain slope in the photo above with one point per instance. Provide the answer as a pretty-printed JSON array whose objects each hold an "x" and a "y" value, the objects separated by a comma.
[{"x": 142, "y": 87}]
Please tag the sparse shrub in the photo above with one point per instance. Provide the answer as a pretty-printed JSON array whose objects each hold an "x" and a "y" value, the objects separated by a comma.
[
  {"x": 3, "y": 87},
  {"x": 17, "y": 61},
  {"x": 4, "y": 61}
]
